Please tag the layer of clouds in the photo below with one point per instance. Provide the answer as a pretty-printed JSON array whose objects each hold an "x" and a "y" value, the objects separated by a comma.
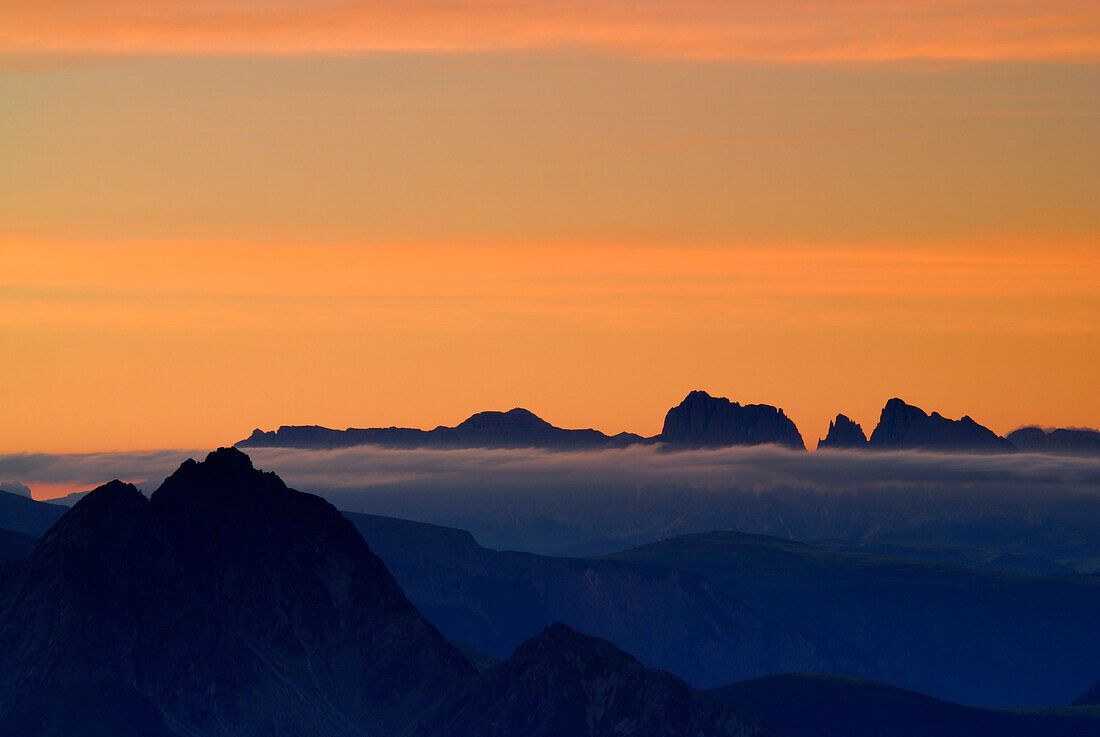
[
  {"x": 569, "y": 502},
  {"x": 757, "y": 469},
  {"x": 703, "y": 30}
]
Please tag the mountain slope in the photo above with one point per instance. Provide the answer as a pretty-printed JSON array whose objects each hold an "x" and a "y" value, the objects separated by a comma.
[
  {"x": 225, "y": 604},
  {"x": 14, "y": 544},
  {"x": 966, "y": 635},
  {"x": 903, "y": 426},
  {"x": 830, "y": 706},
  {"x": 23, "y": 514},
  {"x": 493, "y": 600},
  {"x": 561, "y": 682}
]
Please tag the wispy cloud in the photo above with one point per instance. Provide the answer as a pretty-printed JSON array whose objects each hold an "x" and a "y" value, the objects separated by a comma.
[{"x": 785, "y": 31}]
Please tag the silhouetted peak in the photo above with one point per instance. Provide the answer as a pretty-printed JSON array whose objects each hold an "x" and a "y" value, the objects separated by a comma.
[
  {"x": 703, "y": 421},
  {"x": 103, "y": 524},
  {"x": 513, "y": 418},
  {"x": 560, "y": 644},
  {"x": 902, "y": 425},
  {"x": 843, "y": 433},
  {"x": 225, "y": 471}
]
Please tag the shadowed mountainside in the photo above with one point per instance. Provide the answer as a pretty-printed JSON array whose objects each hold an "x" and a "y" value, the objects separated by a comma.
[
  {"x": 830, "y": 706},
  {"x": 975, "y": 637},
  {"x": 670, "y": 619},
  {"x": 15, "y": 545},
  {"x": 23, "y": 514},
  {"x": 1062, "y": 441},
  {"x": 227, "y": 604},
  {"x": 561, "y": 682}
]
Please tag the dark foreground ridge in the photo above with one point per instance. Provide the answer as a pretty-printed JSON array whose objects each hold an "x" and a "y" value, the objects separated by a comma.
[
  {"x": 561, "y": 682},
  {"x": 227, "y": 604},
  {"x": 700, "y": 421},
  {"x": 830, "y": 706}
]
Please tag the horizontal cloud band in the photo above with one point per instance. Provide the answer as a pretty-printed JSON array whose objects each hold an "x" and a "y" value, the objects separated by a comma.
[{"x": 787, "y": 31}]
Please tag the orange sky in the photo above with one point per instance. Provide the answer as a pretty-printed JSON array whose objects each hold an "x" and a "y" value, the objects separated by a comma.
[
  {"x": 790, "y": 31},
  {"x": 215, "y": 217}
]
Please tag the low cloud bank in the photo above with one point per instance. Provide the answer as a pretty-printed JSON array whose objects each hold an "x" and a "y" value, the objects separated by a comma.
[{"x": 594, "y": 501}]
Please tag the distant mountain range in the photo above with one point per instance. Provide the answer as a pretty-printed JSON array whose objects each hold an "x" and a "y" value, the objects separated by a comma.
[
  {"x": 699, "y": 421},
  {"x": 228, "y": 604}
]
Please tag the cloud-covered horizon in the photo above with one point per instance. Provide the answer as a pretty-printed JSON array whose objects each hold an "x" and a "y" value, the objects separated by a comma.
[
  {"x": 755, "y": 468},
  {"x": 791, "y": 31}
]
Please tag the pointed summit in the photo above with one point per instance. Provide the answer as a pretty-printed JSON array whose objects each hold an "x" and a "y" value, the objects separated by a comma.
[
  {"x": 226, "y": 603},
  {"x": 561, "y": 682},
  {"x": 843, "y": 433},
  {"x": 703, "y": 421},
  {"x": 903, "y": 426}
]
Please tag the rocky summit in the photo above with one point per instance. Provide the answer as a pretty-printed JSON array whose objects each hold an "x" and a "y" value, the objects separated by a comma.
[
  {"x": 843, "y": 433},
  {"x": 902, "y": 426},
  {"x": 561, "y": 682},
  {"x": 703, "y": 421},
  {"x": 228, "y": 605}
]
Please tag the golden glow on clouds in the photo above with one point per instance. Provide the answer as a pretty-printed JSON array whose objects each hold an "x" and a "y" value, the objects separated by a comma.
[{"x": 787, "y": 31}]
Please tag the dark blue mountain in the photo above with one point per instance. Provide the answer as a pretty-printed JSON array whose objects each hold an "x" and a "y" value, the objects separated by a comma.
[
  {"x": 703, "y": 421},
  {"x": 1062, "y": 441},
  {"x": 516, "y": 428},
  {"x": 843, "y": 433},
  {"x": 902, "y": 426}
]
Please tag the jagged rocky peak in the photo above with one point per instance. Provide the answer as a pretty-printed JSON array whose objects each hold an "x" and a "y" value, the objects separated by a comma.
[
  {"x": 226, "y": 603},
  {"x": 561, "y": 682},
  {"x": 703, "y": 421},
  {"x": 843, "y": 433},
  {"x": 903, "y": 426}
]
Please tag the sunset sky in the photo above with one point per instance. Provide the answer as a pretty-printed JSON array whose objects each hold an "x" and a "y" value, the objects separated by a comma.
[{"x": 221, "y": 215}]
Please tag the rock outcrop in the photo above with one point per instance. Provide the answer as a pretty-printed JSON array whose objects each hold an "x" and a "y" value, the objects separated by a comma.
[
  {"x": 703, "y": 421},
  {"x": 226, "y": 604},
  {"x": 903, "y": 426},
  {"x": 843, "y": 433}
]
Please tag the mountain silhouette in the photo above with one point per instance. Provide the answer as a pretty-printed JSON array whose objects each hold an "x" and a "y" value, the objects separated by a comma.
[
  {"x": 224, "y": 604},
  {"x": 703, "y": 421},
  {"x": 561, "y": 682},
  {"x": 1062, "y": 441},
  {"x": 228, "y": 604},
  {"x": 902, "y": 426},
  {"x": 843, "y": 433},
  {"x": 516, "y": 428}
]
